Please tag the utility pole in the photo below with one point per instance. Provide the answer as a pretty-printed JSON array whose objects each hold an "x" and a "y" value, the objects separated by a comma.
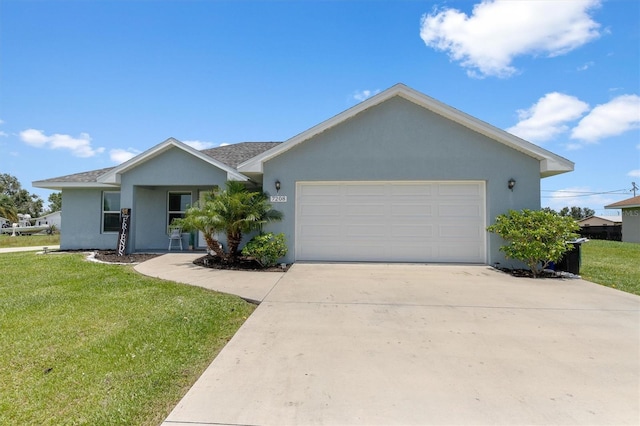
[{"x": 634, "y": 188}]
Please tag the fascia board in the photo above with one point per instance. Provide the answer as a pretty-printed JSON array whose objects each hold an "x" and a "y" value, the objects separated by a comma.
[
  {"x": 550, "y": 164},
  {"x": 255, "y": 164},
  {"x": 113, "y": 176},
  {"x": 62, "y": 185}
]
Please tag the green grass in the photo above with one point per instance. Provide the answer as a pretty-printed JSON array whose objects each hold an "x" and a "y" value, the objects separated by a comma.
[
  {"x": 612, "y": 263},
  {"x": 6, "y": 240},
  {"x": 87, "y": 343}
]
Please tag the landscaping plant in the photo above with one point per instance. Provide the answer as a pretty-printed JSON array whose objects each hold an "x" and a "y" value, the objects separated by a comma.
[
  {"x": 535, "y": 237},
  {"x": 266, "y": 248},
  {"x": 234, "y": 211}
]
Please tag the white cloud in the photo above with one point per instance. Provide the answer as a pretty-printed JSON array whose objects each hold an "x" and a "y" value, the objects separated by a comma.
[
  {"x": 619, "y": 115},
  {"x": 585, "y": 66},
  {"x": 496, "y": 32},
  {"x": 361, "y": 95},
  {"x": 548, "y": 117},
  {"x": 200, "y": 145},
  {"x": 119, "y": 155},
  {"x": 79, "y": 147},
  {"x": 634, "y": 173},
  {"x": 3, "y": 134}
]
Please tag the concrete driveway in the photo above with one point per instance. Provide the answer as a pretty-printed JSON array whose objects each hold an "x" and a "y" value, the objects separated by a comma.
[{"x": 375, "y": 344}]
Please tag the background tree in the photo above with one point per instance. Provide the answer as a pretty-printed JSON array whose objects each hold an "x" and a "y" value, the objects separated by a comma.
[
  {"x": 55, "y": 202},
  {"x": 235, "y": 211},
  {"x": 575, "y": 212},
  {"x": 23, "y": 201},
  {"x": 8, "y": 209}
]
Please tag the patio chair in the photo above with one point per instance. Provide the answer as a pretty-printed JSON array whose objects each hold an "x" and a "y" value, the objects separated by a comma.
[{"x": 175, "y": 234}]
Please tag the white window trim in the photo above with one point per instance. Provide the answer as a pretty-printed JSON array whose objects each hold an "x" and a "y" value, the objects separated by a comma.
[
  {"x": 169, "y": 212},
  {"x": 103, "y": 212}
]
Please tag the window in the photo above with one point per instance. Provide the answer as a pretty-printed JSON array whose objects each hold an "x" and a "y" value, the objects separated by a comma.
[
  {"x": 179, "y": 202},
  {"x": 110, "y": 211}
]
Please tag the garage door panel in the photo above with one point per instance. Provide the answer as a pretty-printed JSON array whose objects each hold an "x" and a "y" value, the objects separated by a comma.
[
  {"x": 406, "y": 231},
  {"x": 468, "y": 232},
  {"x": 391, "y": 221},
  {"x": 459, "y": 210},
  {"x": 457, "y": 190},
  {"x": 355, "y": 190},
  {"x": 365, "y": 209},
  {"x": 411, "y": 209}
]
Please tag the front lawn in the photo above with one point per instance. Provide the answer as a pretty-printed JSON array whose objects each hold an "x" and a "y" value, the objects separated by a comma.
[
  {"x": 612, "y": 263},
  {"x": 87, "y": 343},
  {"x": 38, "y": 240}
]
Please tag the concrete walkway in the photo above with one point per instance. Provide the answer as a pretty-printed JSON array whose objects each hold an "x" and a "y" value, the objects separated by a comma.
[
  {"x": 19, "y": 249},
  {"x": 374, "y": 344},
  {"x": 179, "y": 267}
]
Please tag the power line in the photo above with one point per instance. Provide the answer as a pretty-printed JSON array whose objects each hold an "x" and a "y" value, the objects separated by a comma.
[{"x": 573, "y": 194}]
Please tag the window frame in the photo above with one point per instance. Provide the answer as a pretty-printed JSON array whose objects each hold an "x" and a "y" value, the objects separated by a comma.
[
  {"x": 177, "y": 212},
  {"x": 111, "y": 212}
]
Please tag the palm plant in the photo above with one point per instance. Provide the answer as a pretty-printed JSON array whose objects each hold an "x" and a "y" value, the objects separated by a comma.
[
  {"x": 235, "y": 211},
  {"x": 8, "y": 209}
]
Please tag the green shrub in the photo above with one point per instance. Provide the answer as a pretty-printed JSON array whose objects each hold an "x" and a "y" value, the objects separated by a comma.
[
  {"x": 266, "y": 248},
  {"x": 536, "y": 237}
]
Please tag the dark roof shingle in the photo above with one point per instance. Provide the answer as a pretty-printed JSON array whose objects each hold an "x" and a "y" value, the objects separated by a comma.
[{"x": 231, "y": 155}]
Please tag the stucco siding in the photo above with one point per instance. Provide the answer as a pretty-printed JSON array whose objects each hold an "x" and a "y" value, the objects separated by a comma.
[
  {"x": 174, "y": 167},
  {"x": 82, "y": 221},
  {"x": 144, "y": 189},
  {"x": 631, "y": 225},
  {"x": 398, "y": 140}
]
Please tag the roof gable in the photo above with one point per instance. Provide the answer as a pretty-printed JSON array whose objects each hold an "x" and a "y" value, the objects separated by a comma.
[
  {"x": 550, "y": 164},
  {"x": 113, "y": 175}
]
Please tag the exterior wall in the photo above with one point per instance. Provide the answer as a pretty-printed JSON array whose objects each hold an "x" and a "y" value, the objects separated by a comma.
[
  {"x": 144, "y": 189},
  {"x": 54, "y": 219},
  {"x": 399, "y": 140},
  {"x": 599, "y": 221},
  {"x": 82, "y": 221},
  {"x": 631, "y": 225}
]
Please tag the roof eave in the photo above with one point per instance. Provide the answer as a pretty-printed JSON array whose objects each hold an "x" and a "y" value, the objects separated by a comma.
[
  {"x": 113, "y": 176},
  {"x": 550, "y": 163},
  {"x": 631, "y": 206},
  {"x": 62, "y": 185}
]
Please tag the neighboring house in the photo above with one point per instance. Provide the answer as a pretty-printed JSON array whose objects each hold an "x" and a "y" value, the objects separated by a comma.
[
  {"x": 399, "y": 177},
  {"x": 601, "y": 227},
  {"x": 630, "y": 218},
  {"x": 50, "y": 219}
]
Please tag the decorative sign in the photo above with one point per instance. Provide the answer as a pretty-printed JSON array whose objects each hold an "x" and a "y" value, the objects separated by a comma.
[
  {"x": 123, "y": 235},
  {"x": 278, "y": 199}
]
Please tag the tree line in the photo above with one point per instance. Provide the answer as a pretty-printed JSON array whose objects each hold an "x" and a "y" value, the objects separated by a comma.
[{"x": 14, "y": 200}]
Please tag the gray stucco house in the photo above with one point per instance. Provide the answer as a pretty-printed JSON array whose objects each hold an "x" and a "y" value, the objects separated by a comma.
[
  {"x": 399, "y": 177},
  {"x": 630, "y": 218}
]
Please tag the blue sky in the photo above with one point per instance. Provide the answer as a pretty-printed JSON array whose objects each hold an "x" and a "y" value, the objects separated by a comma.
[{"x": 87, "y": 84}]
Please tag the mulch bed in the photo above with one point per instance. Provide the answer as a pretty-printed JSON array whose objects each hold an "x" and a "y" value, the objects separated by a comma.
[
  {"x": 111, "y": 256},
  {"x": 525, "y": 273},
  {"x": 241, "y": 264}
]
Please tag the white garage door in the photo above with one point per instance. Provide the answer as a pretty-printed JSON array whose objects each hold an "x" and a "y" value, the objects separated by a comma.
[{"x": 391, "y": 221}]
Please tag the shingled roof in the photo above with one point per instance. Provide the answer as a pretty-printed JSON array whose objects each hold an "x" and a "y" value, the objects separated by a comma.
[
  {"x": 231, "y": 155},
  {"x": 628, "y": 203}
]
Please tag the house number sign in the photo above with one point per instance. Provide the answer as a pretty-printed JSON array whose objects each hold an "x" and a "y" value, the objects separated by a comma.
[{"x": 278, "y": 199}]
